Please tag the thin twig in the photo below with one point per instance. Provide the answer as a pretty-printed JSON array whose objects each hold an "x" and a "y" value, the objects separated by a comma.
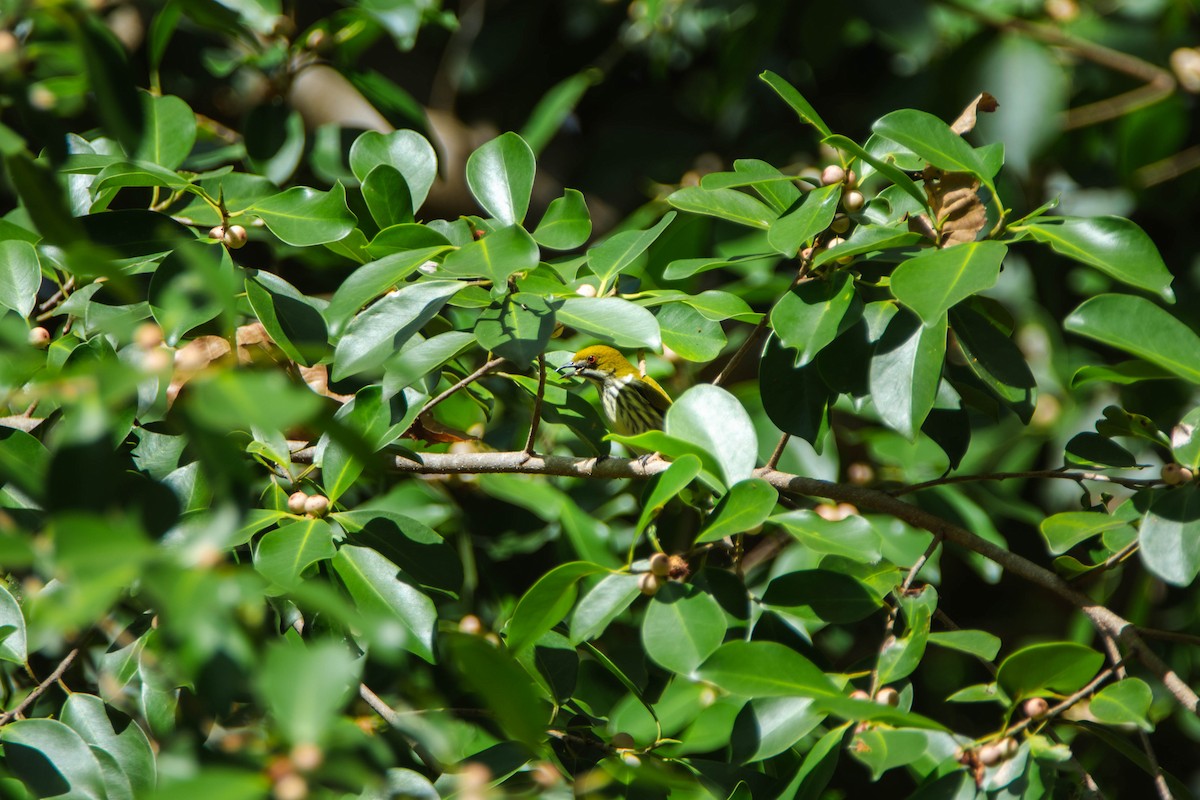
[
  {"x": 1170, "y": 636},
  {"x": 537, "y": 404},
  {"x": 391, "y": 717},
  {"x": 467, "y": 381},
  {"x": 52, "y": 679},
  {"x": 1110, "y": 562},
  {"x": 773, "y": 461},
  {"x": 1160, "y": 781},
  {"x": 1062, "y": 706},
  {"x": 1060, "y": 474},
  {"x": 889, "y": 626},
  {"x": 58, "y": 297}
]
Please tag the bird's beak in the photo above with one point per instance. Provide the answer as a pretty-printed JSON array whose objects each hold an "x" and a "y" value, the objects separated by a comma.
[{"x": 569, "y": 368}]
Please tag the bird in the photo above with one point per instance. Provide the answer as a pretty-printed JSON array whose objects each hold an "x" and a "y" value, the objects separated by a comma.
[{"x": 633, "y": 403}]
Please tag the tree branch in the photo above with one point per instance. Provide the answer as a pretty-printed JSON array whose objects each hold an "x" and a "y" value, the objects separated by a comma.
[
  {"x": 537, "y": 405},
  {"x": 1060, "y": 474},
  {"x": 474, "y": 376},
  {"x": 53, "y": 678}
]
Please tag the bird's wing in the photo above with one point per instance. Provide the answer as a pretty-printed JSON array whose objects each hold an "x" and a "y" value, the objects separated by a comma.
[{"x": 657, "y": 396}]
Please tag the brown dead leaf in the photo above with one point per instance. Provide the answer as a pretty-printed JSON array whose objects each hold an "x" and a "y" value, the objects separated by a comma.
[
  {"x": 958, "y": 213},
  {"x": 921, "y": 224},
  {"x": 966, "y": 120},
  {"x": 253, "y": 343},
  {"x": 317, "y": 378},
  {"x": 427, "y": 428}
]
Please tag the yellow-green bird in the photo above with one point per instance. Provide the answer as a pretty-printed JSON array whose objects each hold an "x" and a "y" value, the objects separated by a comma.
[{"x": 633, "y": 403}]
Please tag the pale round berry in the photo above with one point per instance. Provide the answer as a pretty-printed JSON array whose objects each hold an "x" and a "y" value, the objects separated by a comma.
[
  {"x": 660, "y": 564},
  {"x": 216, "y": 232},
  {"x": 1035, "y": 707},
  {"x": 296, "y": 502},
  {"x": 1175, "y": 474},
  {"x": 853, "y": 201},
  {"x": 317, "y": 505},
  {"x": 39, "y": 337},
  {"x": 235, "y": 237},
  {"x": 832, "y": 174},
  {"x": 649, "y": 584},
  {"x": 887, "y": 696}
]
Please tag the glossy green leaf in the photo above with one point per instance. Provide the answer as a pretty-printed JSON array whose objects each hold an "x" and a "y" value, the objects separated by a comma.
[
  {"x": 1169, "y": 541},
  {"x": 288, "y": 316},
  {"x": 935, "y": 280},
  {"x": 765, "y": 669},
  {"x": 191, "y": 286},
  {"x": 768, "y": 726},
  {"x": 305, "y": 684},
  {"x": 886, "y": 168},
  {"x": 566, "y": 223},
  {"x": 613, "y": 320},
  {"x": 905, "y": 370},
  {"x": 242, "y": 400},
  {"x": 546, "y": 603},
  {"x": 727, "y": 204},
  {"x": 52, "y": 759},
  {"x": 813, "y": 314},
  {"x": 796, "y": 100},
  {"x": 743, "y": 508},
  {"x": 169, "y": 133},
  {"x": 852, "y": 537},
  {"x": 88, "y": 716},
  {"x": 381, "y": 589},
  {"x": 373, "y": 279},
  {"x": 302, "y": 216},
  {"x": 1127, "y": 372},
  {"x": 719, "y": 306},
  {"x": 284, "y": 553},
  {"x": 683, "y": 626},
  {"x": 995, "y": 359},
  {"x": 500, "y": 176},
  {"x": 689, "y": 333},
  {"x": 777, "y": 189},
  {"x": 866, "y": 240},
  {"x": 796, "y": 399},
  {"x": 827, "y": 595},
  {"x": 409, "y": 544},
  {"x": 20, "y": 276},
  {"x": 932, "y": 140},
  {"x": 714, "y": 420},
  {"x": 1139, "y": 327},
  {"x": 407, "y": 236},
  {"x": 603, "y": 603},
  {"x": 1064, "y": 530},
  {"x": 422, "y": 358},
  {"x": 1185, "y": 440},
  {"x": 12, "y": 629},
  {"x": 796, "y": 229},
  {"x": 980, "y": 644},
  {"x": 609, "y": 258},
  {"x": 1125, "y": 702},
  {"x": 1062, "y": 667},
  {"x": 901, "y": 655},
  {"x": 556, "y": 107},
  {"x": 667, "y": 485},
  {"x": 1113, "y": 245},
  {"x": 506, "y": 688},
  {"x": 383, "y": 328},
  {"x": 408, "y": 152},
  {"x": 519, "y": 328},
  {"x": 387, "y": 197},
  {"x": 496, "y": 256},
  {"x": 1092, "y": 449}
]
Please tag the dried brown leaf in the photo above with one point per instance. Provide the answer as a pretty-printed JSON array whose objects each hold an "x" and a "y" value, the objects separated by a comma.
[
  {"x": 958, "y": 213},
  {"x": 317, "y": 378},
  {"x": 965, "y": 123}
]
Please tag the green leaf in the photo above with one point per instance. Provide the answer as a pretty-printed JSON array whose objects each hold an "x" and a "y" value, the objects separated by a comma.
[
  {"x": 52, "y": 759},
  {"x": 13, "y": 646},
  {"x": 20, "y": 276},
  {"x": 719, "y": 306},
  {"x": 241, "y": 400},
  {"x": 566, "y": 223},
  {"x": 496, "y": 256},
  {"x": 191, "y": 286},
  {"x": 1113, "y": 245},
  {"x": 302, "y": 216},
  {"x": 387, "y": 196},
  {"x": 1185, "y": 440},
  {"x": 773, "y": 186},
  {"x": 609, "y": 258},
  {"x": 518, "y": 329},
  {"x": 88, "y": 716},
  {"x": 411, "y": 545},
  {"x": 932, "y": 140},
  {"x": 900, "y": 656},
  {"x": 905, "y": 370},
  {"x": 506, "y": 688},
  {"x": 288, "y": 316},
  {"x": 1065, "y": 530},
  {"x": 546, "y": 603},
  {"x": 421, "y": 358},
  {"x": 796, "y": 100},
  {"x": 1092, "y": 449},
  {"x": 867, "y": 239},
  {"x": 382, "y": 590},
  {"x": 689, "y": 333},
  {"x": 714, "y": 420},
  {"x": 815, "y": 313},
  {"x": 1139, "y": 327},
  {"x": 1125, "y": 702},
  {"x": 768, "y": 726},
  {"x": 980, "y": 644},
  {"x": 613, "y": 320},
  {"x": 885, "y": 168},
  {"x": 667, "y": 485},
  {"x": 852, "y": 537},
  {"x": 1125, "y": 373},
  {"x": 603, "y": 603},
  {"x": 935, "y": 280},
  {"x": 1169, "y": 539},
  {"x": 169, "y": 133},
  {"x": 371, "y": 280},
  {"x": 744, "y": 507},
  {"x": 1063, "y": 667},
  {"x": 500, "y": 176},
  {"x": 408, "y": 236},
  {"x": 683, "y": 626},
  {"x": 375, "y": 334},
  {"x": 727, "y": 204},
  {"x": 305, "y": 684},
  {"x": 556, "y": 107},
  {"x": 796, "y": 399},
  {"x": 995, "y": 359},
  {"x": 286, "y": 552},
  {"x": 765, "y": 669},
  {"x": 796, "y": 229},
  {"x": 408, "y": 152},
  {"x": 830, "y": 596}
]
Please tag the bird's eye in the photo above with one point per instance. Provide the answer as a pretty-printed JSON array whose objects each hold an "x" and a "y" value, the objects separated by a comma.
[{"x": 591, "y": 361}]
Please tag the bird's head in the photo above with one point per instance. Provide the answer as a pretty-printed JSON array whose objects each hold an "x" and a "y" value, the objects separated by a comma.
[{"x": 599, "y": 363}]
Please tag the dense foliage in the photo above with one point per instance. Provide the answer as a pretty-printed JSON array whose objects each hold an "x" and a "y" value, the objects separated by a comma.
[{"x": 294, "y": 502}]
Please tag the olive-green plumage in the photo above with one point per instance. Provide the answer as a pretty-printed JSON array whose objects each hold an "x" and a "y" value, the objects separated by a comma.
[{"x": 633, "y": 403}]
